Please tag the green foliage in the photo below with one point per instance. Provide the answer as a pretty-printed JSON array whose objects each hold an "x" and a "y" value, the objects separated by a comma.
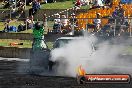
[{"x": 58, "y": 5}]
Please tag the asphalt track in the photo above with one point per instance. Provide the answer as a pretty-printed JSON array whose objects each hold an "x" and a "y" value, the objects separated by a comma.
[{"x": 10, "y": 77}]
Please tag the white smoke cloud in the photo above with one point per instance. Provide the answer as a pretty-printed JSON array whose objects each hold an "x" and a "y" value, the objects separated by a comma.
[{"x": 80, "y": 52}]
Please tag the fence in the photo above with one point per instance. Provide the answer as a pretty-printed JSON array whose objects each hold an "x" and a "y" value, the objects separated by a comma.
[{"x": 115, "y": 26}]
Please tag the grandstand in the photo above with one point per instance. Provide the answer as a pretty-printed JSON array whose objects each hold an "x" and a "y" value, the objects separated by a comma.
[
  {"x": 88, "y": 17},
  {"x": 84, "y": 18}
]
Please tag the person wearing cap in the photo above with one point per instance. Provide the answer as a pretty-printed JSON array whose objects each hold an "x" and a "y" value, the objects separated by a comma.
[
  {"x": 57, "y": 25},
  {"x": 57, "y": 19}
]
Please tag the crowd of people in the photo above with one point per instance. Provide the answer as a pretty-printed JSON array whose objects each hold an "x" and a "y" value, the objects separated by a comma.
[
  {"x": 117, "y": 23},
  {"x": 28, "y": 23},
  {"x": 66, "y": 24},
  {"x": 94, "y": 3},
  {"x": 17, "y": 7}
]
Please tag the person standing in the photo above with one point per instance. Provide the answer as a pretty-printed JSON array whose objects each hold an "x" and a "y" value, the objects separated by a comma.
[
  {"x": 40, "y": 53},
  {"x": 97, "y": 22},
  {"x": 38, "y": 34}
]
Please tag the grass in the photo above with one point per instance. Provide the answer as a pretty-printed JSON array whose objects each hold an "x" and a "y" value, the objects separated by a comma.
[
  {"x": 58, "y": 5},
  {"x": 2, "y": 24},
  {"x": 16, "y": 23},
  {"x": 26, "y": 43},
  {"x": 85, "y": 7},
  {"x": 50, "y": 45},
  {"x": 6, "y": 43}
]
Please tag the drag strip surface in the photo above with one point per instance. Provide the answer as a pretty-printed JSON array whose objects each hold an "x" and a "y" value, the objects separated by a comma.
[{"x": 11, "y": 78}]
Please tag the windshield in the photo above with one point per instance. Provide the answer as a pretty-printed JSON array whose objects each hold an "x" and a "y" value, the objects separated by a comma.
[{"x": 61, "y": 42}]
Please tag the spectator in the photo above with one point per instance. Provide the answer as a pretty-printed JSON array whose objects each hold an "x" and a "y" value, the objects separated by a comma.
[
  {"x": 57, "y": 19},
  {"x": 121, "y": 11},
  {"x": 64, "y": 24},
  {"x": 73, "y": 19},
  {"x": 73, "y": 23},
  {"x": 57, "y": 25},
  {"x": 125, "y": 27},
  {"x": 98, "y": 3},
  {"x": 21, "y": 27},
  {"x": 64, "y": 20},
  {"x": 115, "y": 13},
  {"x": 6, "y": 4},
  {"x": 82, "y": 2},
  {"x": 21, "y": 8},
  {"x": 121, "y": 14},
  {"x": 97, "y": 22},
  {"x": 35, "y": 7},
  {"x": 7, "y": 27},
  {"x": 30, "y": 23},
  {"x": 78, "y": 3},
  {"x": 13, "y": 11}
]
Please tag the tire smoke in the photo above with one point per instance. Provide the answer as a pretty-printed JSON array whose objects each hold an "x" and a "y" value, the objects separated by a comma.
[{"x": 104, "y": 57}]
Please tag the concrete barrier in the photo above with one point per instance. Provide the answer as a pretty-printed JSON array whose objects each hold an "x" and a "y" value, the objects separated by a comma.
[
  {"x": 29, "y": 36},
  {"x": 14, "y": 52},
  {"x": 21, "y": 36}
]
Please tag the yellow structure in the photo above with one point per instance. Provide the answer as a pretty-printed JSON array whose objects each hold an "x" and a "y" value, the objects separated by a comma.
[{"x": 91, "y": 14}]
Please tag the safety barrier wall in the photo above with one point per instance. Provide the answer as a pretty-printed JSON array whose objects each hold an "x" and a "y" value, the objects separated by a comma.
[
  {"x": 28, "y": 36},
  {"x": 14, "y": 52}
]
